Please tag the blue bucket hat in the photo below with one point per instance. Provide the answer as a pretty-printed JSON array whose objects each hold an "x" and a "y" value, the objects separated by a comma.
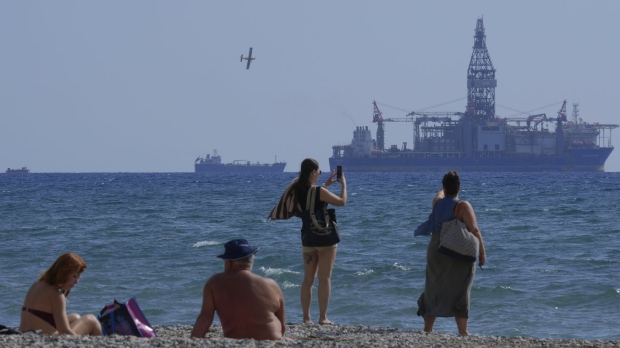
[{"x": 237, "y": 249}]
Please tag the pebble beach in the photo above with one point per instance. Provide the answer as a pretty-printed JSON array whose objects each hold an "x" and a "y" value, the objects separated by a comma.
[{"x": 298, "y": 335}]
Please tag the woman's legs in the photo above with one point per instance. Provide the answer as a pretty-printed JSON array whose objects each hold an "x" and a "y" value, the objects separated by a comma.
[
  {"x": 86, "y": 325},
  {"x": 428, "y": 323},
  {"x": 461, "y": 324},
  {"x": 327, "y": 257},
  {"x": 73, "y": 317},
  {"x": 311, "y": 261}
]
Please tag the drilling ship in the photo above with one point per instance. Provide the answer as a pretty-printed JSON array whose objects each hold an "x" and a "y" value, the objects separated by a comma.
[{"x": 477, "y": 140}]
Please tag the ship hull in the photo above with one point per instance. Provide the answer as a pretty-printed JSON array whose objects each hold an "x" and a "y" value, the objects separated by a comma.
[
  {"x": 578, "y": 160},
  {"x": 238, "y": 168},
  {"x": 17, "y": 171}
]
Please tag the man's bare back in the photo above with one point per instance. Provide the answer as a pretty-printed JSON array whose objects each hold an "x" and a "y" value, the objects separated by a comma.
[{"x": 248, "y": 305}]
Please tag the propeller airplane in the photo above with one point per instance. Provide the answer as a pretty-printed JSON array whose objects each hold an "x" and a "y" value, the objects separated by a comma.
[{"x": 248, "y": 58}]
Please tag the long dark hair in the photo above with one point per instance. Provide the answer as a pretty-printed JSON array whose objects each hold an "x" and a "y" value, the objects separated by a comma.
[{"x": 307, "y": 166}]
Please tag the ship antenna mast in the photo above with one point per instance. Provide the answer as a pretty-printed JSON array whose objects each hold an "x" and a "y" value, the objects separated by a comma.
[{"x": 481, "y": 80}]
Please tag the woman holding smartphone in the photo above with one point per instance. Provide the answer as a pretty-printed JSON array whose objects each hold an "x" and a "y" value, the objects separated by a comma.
[{"x": 317, "y": 260}]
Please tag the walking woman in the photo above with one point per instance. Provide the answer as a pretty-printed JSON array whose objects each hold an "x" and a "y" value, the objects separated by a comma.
[
  {"x": 45, "y": 303},
  {"x": 449, "y": 280},
  {"x": 317, "y": 260}
]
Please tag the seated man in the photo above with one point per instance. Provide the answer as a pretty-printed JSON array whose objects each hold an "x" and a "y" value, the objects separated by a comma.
[{"x": 248, "y": 305}]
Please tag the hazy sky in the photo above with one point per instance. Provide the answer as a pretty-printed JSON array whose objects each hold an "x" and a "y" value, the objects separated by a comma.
[{"x": 148, "y": 86}]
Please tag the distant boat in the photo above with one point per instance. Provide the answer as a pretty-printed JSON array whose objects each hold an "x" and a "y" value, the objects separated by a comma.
[
  {"x": 23, "y": 170},
  {"x": 213, "y": 164}
]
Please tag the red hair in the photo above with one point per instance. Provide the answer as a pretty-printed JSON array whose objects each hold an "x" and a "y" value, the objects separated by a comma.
[{"x": 64, "y": 267}]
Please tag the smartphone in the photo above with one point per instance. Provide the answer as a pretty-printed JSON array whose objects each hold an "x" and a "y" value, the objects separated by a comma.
[{"x": 338, "y": 172}]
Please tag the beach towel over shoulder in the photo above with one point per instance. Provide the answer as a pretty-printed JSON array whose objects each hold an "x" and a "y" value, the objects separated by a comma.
[{"x": 287, "y": 206}]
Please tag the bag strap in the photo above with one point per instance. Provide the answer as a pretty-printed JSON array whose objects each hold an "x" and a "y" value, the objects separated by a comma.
[
  {"x": 112, "y": 323},
  {"x": 455, "y": 206},
  {"x": 310, "y": 201}
]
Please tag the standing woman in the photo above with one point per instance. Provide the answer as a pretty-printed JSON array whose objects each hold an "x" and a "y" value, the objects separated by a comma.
[
  {"x": 317, "y": 260},
  {"x": 45, "y": 303},
  {"x": 449, "y": 280}
]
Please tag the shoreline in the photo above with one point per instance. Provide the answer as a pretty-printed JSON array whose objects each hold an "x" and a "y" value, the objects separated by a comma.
[{"x": 299, "y": 335}]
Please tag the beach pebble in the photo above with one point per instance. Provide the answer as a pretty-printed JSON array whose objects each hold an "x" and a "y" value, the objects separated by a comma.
[{"x": 298, "y": 335}]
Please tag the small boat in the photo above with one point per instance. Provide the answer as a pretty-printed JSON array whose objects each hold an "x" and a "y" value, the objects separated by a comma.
[{"x": 23, "y": 170}]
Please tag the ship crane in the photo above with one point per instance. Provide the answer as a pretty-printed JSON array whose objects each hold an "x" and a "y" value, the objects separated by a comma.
[
  {"x": 435, "y": 113},
  {"x": 562, "y": 112},
  {"x": 442, "y": 117},
  {"x": 432, "y": 116},
  {"x": 539, "y": 118},
  {"x": 377, "y": 117},
  {"x": 399, "y": 119},
  {"x": 424, "y": 117}
]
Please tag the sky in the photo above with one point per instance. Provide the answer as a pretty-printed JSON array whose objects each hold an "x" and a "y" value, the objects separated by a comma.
[{"x": 148, "y": 86}]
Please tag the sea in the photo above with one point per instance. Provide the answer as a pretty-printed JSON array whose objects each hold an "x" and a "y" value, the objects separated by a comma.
[{"x": 552, "y": 241}]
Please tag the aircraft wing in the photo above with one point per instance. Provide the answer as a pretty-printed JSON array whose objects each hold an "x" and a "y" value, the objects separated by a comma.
[{"x": 249, "y": 59}]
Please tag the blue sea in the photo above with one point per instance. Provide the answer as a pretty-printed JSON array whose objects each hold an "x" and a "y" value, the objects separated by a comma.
[{"x": 552, "y": 243}]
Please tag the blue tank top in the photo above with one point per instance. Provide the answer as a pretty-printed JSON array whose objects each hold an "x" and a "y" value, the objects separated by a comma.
[{"x": 442, "y": 212}]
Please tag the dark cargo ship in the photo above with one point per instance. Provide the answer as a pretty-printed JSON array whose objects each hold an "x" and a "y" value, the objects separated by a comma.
[
  {"x": 478, "y": 140},
  {"x": 213, "y": 164},
  {"x": 23, "y": 170}
]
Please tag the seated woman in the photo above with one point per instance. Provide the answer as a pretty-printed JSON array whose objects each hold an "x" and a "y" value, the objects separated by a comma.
[{"x": 45, "y": 304}]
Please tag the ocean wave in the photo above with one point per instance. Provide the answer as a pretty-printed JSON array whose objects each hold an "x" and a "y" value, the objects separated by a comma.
[
  {"x": 268, "y": 271},
  {"x": 288, "y": 285},
  {"x": 401, "y": 267},
  {"x": 206, "y": 243},
  {"x": 365, "y": 272},
  {"x": 498, "y": 290}
]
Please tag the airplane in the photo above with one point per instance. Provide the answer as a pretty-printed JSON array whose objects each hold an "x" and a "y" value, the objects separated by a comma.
[{"x": 248, "y": 58}]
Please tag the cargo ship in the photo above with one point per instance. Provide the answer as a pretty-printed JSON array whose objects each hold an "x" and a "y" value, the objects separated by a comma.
[
  {"x": 478, "y": 140},
  {"x": 23, "y": 170},
  {"x": 213, "y": 164}
]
